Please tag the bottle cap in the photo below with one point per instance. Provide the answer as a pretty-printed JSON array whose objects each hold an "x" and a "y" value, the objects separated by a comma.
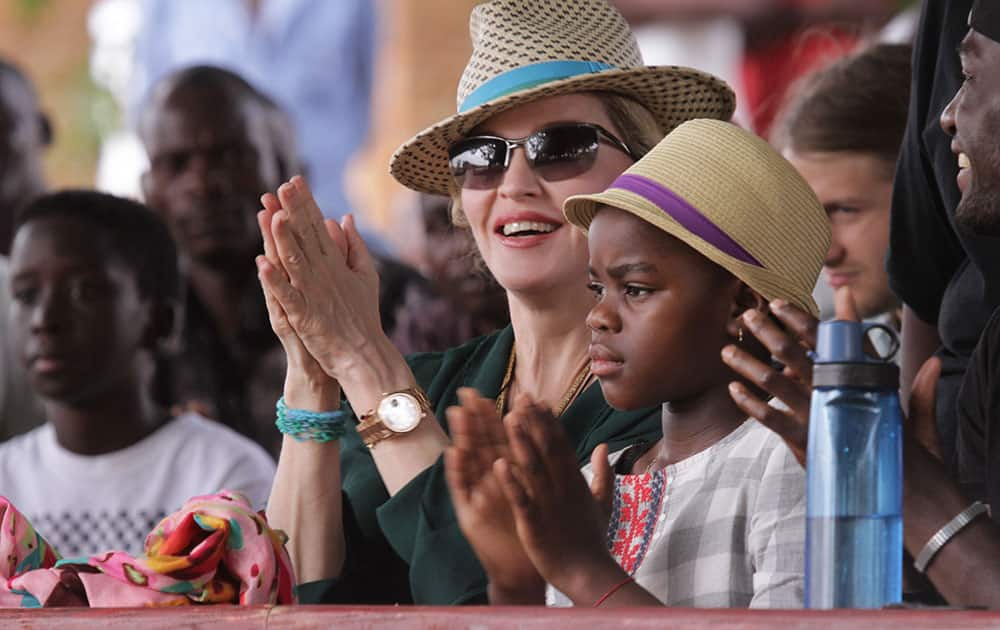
[{"x": 841, "y": 359}]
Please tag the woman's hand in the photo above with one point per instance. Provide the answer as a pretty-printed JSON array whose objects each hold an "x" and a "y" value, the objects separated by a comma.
[
  {"x": 329, "y": 290},
  {"x": 478, "y": 440},
  {"x": 560, "y": 524},
  {"x": 305, "y": 499},
  {"x": 307, "y": 386},
  {"x": 329, "y": 296}
]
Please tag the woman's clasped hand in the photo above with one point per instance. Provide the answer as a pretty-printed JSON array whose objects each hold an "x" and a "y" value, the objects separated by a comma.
[{"x": 322, "y": 276}]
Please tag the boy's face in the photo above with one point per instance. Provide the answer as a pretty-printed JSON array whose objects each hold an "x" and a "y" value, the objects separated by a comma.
[
  {"x": 77, "y": 317},
  {"x": 856, "y": 191},
  {"x": 210, "y": 161},
  {"x": 661, "y": 316}
]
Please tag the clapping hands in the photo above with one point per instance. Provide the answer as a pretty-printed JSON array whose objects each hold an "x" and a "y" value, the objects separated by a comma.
[
  {"x": 521, "y": 500},
  {"x": 478, "y": 442},
  {"x": 320, "y": 280}
]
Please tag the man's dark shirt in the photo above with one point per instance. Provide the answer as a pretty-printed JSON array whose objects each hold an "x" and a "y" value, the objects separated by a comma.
[
  {"x": 235, "y": 382},
  {"x": 934, "y": 270},
  {"x": 979, "y": 420}
]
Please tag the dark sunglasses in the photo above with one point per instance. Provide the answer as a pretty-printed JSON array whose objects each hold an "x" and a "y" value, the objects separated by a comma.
[{"x": 555, "y": 153}]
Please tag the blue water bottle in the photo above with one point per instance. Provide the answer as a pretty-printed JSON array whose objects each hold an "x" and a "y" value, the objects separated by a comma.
[{"x": 854, "y": 528}]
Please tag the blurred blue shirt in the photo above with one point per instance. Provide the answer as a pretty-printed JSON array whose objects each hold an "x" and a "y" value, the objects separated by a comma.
[{"x": 313, "y": 57}]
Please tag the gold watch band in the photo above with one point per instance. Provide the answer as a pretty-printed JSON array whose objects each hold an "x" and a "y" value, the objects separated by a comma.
[{"x": 372, "y": 429}]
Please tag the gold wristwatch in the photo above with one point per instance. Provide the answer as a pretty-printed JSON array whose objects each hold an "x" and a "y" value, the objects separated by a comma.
[{"x": 396, "y": 413}]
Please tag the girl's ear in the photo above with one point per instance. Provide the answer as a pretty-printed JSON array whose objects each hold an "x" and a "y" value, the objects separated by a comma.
[{"x": 744, "y": 300}]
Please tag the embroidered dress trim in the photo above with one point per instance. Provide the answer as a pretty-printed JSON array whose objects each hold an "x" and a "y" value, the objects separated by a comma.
[{"x": 635, "y": 509}]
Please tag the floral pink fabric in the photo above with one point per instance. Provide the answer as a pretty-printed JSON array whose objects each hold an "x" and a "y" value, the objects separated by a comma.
[
  {"x": 22, "y": 550},
  {"x": 216, "y": 549}
]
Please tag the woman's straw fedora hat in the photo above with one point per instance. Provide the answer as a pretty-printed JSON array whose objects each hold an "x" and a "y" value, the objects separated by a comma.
[
  {"x": 524, "y": 50},
  {"x": 730, "y": 196}
]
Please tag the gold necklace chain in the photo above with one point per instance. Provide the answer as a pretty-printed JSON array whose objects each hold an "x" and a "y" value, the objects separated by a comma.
[
  {"x": 505, "y": 383},
  {"x": 655, "y": 450},
  {"x": 652, "y": 464},
  {"x": 574, "y": 389}
]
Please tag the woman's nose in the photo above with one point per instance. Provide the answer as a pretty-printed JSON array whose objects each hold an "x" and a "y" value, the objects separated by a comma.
[{"x": 519, "y": 180}]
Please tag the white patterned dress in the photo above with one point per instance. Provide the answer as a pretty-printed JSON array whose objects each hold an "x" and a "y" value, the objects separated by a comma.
[{"x": 722, "y": 528}]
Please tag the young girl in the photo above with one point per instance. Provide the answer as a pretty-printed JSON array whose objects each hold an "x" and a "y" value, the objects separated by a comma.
[{"x": 711, "y": 223}]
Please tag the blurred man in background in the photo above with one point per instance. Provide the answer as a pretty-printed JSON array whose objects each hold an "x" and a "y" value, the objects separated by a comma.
[
  {"x": 212, "y": 152},
  {"x": 314, "y": 58},
  {"x": 25, "y": 133}
]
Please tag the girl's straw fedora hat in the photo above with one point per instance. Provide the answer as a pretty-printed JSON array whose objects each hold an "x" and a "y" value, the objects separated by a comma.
[
  {"x": 730, "y": 196},
  {"x": 524, "y": 50}
]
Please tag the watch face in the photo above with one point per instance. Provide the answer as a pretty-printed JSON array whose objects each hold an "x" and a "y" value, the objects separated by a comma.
[{"x": 400, "y": 412}]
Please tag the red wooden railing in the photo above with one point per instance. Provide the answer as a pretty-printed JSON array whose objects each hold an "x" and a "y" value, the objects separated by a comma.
[{"x": 487, "y": 618}]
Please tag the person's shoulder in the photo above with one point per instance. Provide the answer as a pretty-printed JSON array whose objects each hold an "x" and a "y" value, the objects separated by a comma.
[
  {"x": 25, "y": 444},
  {"x": 471, "y": 351},
  {"x": 469, "y": 348},
  {"x": 986, "y": 356},
  {"x": 991, "y": 332},
  {"x": 983, "y": 368},
  {"x": 204, "y": 456},
  {"x": 753, "y": 433},
  {"x": 21, "y": 457},
  {"x": 202, "y": 434},
  {"x": 194, "y": 423},
  {"x": 767, "y": 448}
]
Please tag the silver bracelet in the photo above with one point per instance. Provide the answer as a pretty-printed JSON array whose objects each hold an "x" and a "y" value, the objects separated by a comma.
[{"x": 946, "y": 533}]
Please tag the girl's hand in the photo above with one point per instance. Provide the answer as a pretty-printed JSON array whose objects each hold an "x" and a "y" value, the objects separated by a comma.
[
  {"x": 792, "y": 385},
  {"x": 562, "y": 527},
  {"x": 329, "y": 290},
  {"x": 478, "y": 440}
]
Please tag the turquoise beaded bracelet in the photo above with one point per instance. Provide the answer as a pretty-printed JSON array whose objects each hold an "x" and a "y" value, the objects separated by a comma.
[{"x": 311, "y": 426}]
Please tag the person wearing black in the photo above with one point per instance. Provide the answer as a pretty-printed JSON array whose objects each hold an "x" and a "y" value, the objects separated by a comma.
[
  {"x": 972, "y": 119},
  {"x": 936, "y": 270}
]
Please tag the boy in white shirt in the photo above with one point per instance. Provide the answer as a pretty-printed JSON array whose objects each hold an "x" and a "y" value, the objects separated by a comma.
[{"x": 95, "y": 289}]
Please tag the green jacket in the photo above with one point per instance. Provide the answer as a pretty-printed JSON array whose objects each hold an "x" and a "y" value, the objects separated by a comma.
[{"x": 409, "y": 548}]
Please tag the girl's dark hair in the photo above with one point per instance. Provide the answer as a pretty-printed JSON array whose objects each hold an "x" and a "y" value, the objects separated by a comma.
[
  {"x": 133, "y": 234},
  {"x": 858, "y": 103}
]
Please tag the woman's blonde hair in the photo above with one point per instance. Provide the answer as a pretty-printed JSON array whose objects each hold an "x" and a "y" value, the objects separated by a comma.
[{"x": 631, "y": 122}]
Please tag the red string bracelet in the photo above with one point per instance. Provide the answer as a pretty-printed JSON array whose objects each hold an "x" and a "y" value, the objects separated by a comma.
[{"x": 612, "y": 591}]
